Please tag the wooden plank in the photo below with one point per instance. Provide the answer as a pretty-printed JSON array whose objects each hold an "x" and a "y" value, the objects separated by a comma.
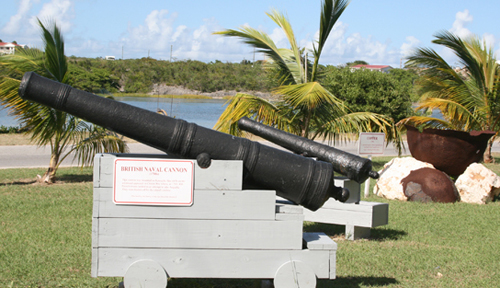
[
  {"x": 289, "y": 217},
  {"x": 333, "y": 264},
  {"x": 221, "y": 175},
  {"x": 364, "y": 214},
  {"x": 208, "y": 204},
  {"x": 363, "y": 206},
  {"x": 355, "y": 232},
  {"x": 319, "y": 241},
  {"x": 176, "y": 233},
  {"x": 106, "y": 170},
  {"x": 380, "y": 214},
  {"x": 353, "y": 186},
  {"x": 94, "y": 268},
  {"x": 287, "y": 207},
  {"x": 95, "y": 232},
  {"x": 96, "y": 169},
  {"x": 214, "y": 263}
]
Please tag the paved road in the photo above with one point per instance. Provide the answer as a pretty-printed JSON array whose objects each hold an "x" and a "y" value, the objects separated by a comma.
[{"x": 27, "y": 156}]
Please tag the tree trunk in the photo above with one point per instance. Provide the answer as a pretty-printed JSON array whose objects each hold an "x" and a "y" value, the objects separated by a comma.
[
  {"x": 487, "y": 158},
  {"x": 50, "y": 175}
]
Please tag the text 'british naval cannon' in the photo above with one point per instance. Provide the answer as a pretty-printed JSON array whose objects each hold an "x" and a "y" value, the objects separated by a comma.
[{"x": 302, "y": 180}]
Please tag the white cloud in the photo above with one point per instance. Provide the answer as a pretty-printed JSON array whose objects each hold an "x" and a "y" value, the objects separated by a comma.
[
  {"x": 17, "y": 22},
  {"x": 60, "y": 11},
  {"x": 341, "y": 48},
  {"x": 461, "y": 20},
  {"x": 159, "y": 34},
  {"x": 408, "y": 47}
]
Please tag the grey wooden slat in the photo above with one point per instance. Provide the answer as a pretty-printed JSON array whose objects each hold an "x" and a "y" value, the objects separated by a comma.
[
  {"x": 94, "y": 269},
  {"x": 177, "y": 233},
  {"x": 214, "y": 263},
  {"x": 362, "y": 217},
  {"x": 319, "y": 241},
  {"x": 221, "y": 175},
  {"x": 208, "y": 204}
]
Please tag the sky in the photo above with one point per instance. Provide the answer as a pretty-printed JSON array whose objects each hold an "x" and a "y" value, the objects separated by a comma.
[{"x": 381, "y": 32}]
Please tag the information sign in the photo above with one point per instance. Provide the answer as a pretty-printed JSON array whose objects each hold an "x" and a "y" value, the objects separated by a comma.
[
  {"x": 153, "y": 182},
  {"x": 371, "y": 143}
]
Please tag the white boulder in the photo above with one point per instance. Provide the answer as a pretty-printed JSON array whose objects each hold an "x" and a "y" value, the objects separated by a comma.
[
  {"x": 478, "y": 184},
  {"x": 389, "y": 184}
]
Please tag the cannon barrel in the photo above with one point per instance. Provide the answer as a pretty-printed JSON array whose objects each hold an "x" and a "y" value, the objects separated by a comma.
[
  {"x": 296, "y": 178},
  {"x": 354, "y": 167}
]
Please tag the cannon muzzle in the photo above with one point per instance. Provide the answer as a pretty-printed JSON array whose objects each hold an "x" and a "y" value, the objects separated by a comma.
[
  {"x": 302, "y": 180},
  {"x": 354, "y": 167}
]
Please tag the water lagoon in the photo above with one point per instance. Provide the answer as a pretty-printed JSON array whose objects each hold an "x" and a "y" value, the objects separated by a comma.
[{"x": 204, "y": 112}]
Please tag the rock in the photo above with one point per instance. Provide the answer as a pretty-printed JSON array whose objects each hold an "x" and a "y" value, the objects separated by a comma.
[
  {"x": 429, "y": 185},
  {"x": 478, "y": 184},
  {"x": 389, "y": 184}
]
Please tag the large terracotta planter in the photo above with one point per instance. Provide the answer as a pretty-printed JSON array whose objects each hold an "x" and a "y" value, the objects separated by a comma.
[{"x": 450, "y": 151}]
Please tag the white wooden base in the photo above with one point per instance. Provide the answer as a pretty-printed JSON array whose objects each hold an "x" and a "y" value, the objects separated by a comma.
[
  {"x": 357, "y": 216},
  {"x": 227, "y": 233}
]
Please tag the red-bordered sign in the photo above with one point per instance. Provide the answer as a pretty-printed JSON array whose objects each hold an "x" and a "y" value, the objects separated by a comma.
[
  {"x": 371, "y": 143},
  {"x": 153, "y": 182}
]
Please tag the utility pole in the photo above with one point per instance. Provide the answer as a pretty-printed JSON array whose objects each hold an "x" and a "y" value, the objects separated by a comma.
[
  {"x": 171, "y": 47},
  {"x": 122, "y": 52}
]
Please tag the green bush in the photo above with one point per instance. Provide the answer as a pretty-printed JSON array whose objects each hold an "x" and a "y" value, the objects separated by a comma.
[{"x": 372, "y": 91}]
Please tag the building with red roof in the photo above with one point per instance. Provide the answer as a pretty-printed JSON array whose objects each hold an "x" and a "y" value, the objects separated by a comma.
[
  {"x": 380, "y": 68},
  {"x": 9, "y": 48}
]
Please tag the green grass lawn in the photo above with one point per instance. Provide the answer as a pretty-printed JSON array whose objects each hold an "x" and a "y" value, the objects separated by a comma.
[{"x": 46, "y": 230}]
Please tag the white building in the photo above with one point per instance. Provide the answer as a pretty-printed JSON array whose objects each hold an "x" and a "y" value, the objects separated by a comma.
[{"x": 9, "y": 48}]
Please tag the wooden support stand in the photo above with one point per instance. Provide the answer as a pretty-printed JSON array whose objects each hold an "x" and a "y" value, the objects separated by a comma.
[
  {"x": 226, "y": 233},
  {"x": 357, "y": 216}
]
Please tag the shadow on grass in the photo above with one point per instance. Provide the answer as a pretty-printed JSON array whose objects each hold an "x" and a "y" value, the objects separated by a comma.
[
  {"x": 75, "y": 178},
  {"x": 357, "y": 282},
  {"x": 62, "y": 179},
  {"x": 335, "y": 231},
  {"x": 251, "y": 283},
  {"x": 19, "y": 182}
]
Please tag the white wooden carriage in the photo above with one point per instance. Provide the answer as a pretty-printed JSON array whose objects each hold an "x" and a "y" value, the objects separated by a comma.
[
  {"x": 357, "y": 216},
  {"x": 227, "y": 232}
]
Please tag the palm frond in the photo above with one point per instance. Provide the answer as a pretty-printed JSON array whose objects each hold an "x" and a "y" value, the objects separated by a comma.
[
  {"x": 245, "y": 105},
  {"x": 308, "y": 96},
  {"x": 348, "y": 126},
  {"x": 56, "y": 63},
  {"x": 282, "y": 58},
  {"x": 91, "y": 140},
  {"x": 298, "y": 68},
  {"x": 330, "y": 13}
]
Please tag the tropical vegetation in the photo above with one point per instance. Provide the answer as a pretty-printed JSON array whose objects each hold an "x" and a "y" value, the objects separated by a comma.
[
  {"x": 140, "y": 75},
  {"x": 64, "y": 133},
  {"x": 304, "y": 107},
  {"x": 388, "y": 94},
  {"x": 469, "y": 98}
]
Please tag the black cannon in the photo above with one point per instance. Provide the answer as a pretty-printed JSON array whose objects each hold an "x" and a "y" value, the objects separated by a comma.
[
  {"x": 302, "y": 180},
  {"x": 354, "y": 167}
]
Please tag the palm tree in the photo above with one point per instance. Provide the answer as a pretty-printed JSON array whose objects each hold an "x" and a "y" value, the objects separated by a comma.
[
  {"x": 469, "y": 100},
  {"x": 63, "y": 132},
  {"x": 305, "y": 107}
]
